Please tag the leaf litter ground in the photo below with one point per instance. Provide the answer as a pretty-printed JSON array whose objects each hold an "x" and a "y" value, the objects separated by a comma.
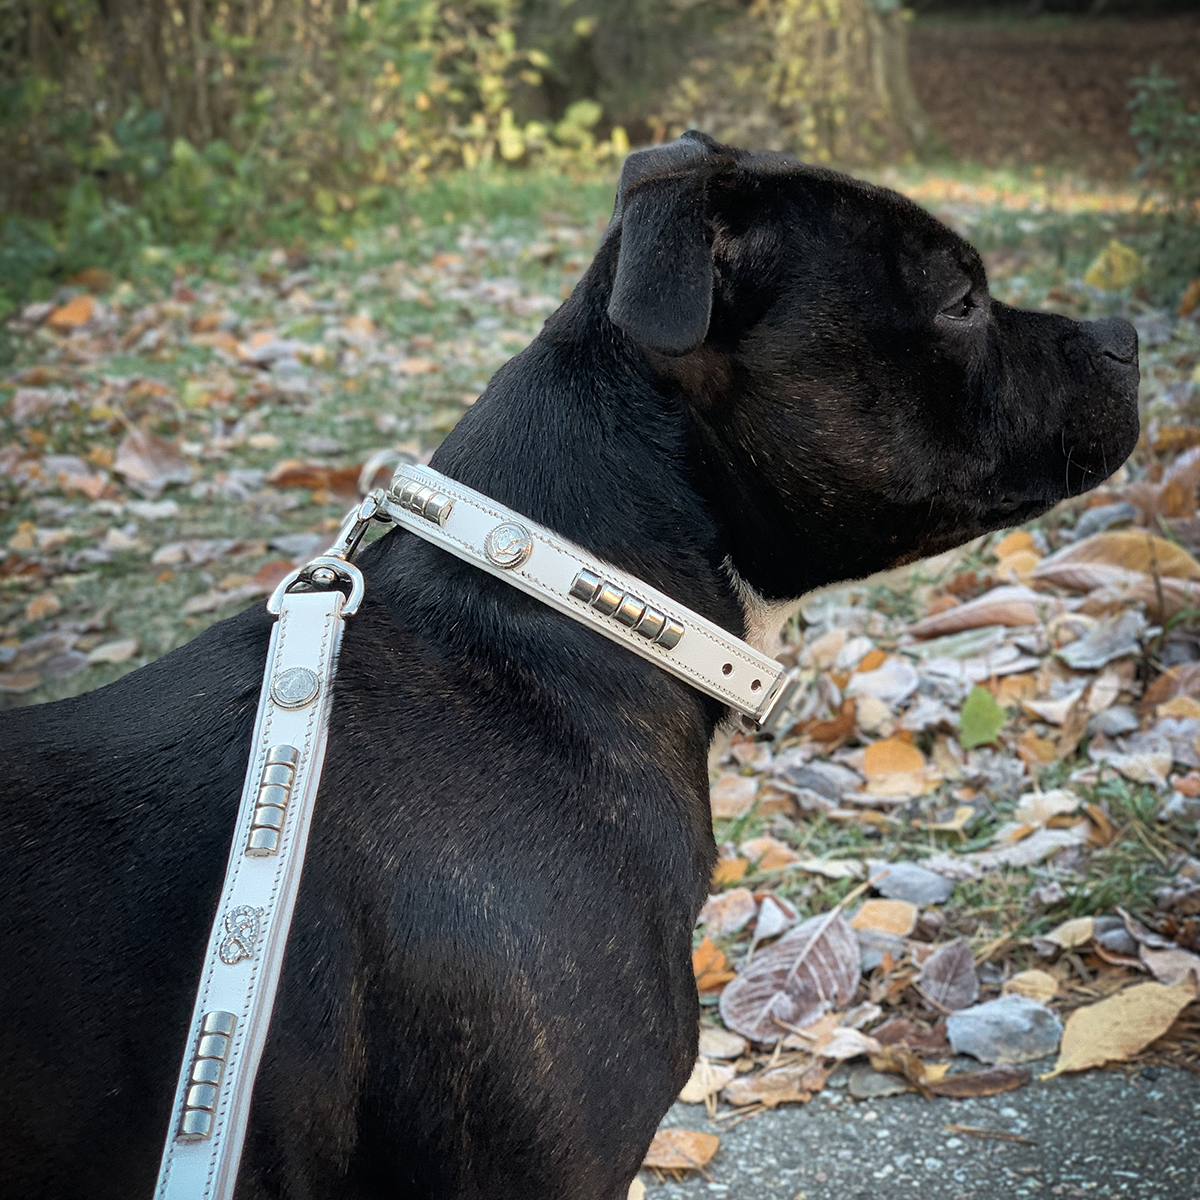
[{"x": 976, "y": 835}]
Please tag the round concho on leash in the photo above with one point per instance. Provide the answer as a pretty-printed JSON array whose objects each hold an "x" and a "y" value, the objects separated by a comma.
[{"x": 248, "y": 937}]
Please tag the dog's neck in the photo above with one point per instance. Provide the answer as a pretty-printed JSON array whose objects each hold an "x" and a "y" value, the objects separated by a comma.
[{"x": 579, "y": 434}]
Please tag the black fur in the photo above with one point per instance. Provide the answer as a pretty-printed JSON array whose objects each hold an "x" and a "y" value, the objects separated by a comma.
[{"x": 488, "y": 990}]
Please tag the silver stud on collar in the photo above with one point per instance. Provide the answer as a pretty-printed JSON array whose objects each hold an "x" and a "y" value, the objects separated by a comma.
[
  {"x": 630, "y": 610},
  {"x": 425, "y": 502}
]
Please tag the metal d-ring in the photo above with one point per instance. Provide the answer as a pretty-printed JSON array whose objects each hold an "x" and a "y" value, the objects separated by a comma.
[{"x": 311, "y": 573}]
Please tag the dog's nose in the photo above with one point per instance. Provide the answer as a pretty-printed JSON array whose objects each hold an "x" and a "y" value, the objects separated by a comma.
[{"x": 1116, "y": 339}]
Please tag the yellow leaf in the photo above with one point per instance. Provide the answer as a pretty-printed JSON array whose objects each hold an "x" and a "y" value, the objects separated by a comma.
[
  {"x": 1010, "y": 543},
  {"x": 729, "y": 870},
  {"x": 77, "y": 311},
  {"x": 681, "y": 1149},
  {"x": 1118, "y": 1028},
  {"x": 1128, "y": 549},
  {"x": 1116, "y": 267},
  {"x": 1073, "y": 933},
  {"x": 891, "y": 756},
  {"x": 887, "y": 916},
  {"x": 1037, "y": 985}
]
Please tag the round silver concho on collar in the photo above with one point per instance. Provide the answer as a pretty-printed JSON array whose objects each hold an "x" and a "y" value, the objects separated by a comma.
[
  {"x": 509, "y": 545},
  {"x": 295, "y": 687}
]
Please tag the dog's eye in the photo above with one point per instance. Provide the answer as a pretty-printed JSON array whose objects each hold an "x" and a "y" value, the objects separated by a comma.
[{"x": 960, "y": 308}]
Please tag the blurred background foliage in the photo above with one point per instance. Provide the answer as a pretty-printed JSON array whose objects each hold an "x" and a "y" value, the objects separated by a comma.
[{"x": 129, "y": 122}]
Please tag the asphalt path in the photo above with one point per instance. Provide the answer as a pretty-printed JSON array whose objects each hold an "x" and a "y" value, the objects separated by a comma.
[{"x": 1103, "y": 1134}]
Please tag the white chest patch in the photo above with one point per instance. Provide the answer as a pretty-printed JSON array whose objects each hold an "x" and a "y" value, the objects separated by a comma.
[{"x": 765, "y": 619}]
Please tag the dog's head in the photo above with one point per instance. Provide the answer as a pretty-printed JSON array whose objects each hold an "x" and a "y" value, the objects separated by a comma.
[{"x": 861, "y": 400}]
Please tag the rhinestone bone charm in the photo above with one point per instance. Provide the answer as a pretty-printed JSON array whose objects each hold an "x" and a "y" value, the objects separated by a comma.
[{"x": 612, "y": 601}]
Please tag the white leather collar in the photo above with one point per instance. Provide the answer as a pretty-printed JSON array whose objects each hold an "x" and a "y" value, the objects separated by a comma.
[{"x": 564, "y": 576}]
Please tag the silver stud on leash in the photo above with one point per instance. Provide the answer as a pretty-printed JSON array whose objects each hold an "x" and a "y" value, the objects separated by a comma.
[
  {"x": 274, "y": 792},
  {"x": 204, "y": 1080}
]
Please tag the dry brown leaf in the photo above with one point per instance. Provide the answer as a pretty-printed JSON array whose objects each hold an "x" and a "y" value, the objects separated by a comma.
[
  {"x": 1172, "y": 966},
  {"x": 1128, "y": 549},
  {"x": 900, "y": 1031},
  {"x": 769, "y": 854},
  {"x": 1115, "y": 1029},
  {"x": 1182, "y": 680},
  {"x": 948, "y": 977},
  {"x": 294, "y": 473},
  {"x": 729, "y": 912},
  {"x": 1163, "y": 598},
  {"x": 729, "y": 870},
  {"x": 1037, "y": 985},
  {"x": 813, "y": 968},
  {"x": 792, "y": 1084},
  {"x": 75, "y": 312},
  {"x": 835, "y": 729},
  {"x": 720, "y": 1043},
  {"x": 707, "y": 1079},
  {"x": 991, "y": 1081},
  {"x": 733, "y": 795},
  {"x": 1073, "y": 933},
  {"x": 886, "y": 916},
  {"x": 1012, "y": 606},
  {"x": 900, "y": 1060},
  {"x": 891, "y": 756},
  {"x": 149, "y": 463},
  {"x": 710, "y": 967},
  {"x": 681, "y": 1150}
]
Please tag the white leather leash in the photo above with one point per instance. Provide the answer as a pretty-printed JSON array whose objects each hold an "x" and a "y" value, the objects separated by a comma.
[
  {"x": 245, "y": 951},
  {"x": 244, "y": 958}
]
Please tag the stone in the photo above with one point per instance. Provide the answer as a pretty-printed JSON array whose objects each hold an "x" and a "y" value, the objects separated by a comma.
[
  {"x": 1013, "y": 1029},
  {"x": 908, "y": 881},
  {"x": 868, "y": 1084}
]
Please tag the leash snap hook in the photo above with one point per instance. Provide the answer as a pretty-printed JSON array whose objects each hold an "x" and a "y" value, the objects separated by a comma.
[{"x": 326, "y": 570}]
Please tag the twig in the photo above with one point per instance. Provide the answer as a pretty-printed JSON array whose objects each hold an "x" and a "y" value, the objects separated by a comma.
[{"x": 991, "y": 1135}]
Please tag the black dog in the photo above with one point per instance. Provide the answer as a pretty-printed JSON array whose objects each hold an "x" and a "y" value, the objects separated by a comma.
[{"x": 771, "y": 377}]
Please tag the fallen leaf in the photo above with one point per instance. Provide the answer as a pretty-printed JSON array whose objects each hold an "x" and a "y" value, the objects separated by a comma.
[
  {"x": 728, "y": 913},
  {"x": 774, "y": 916},
  {"x": 891, "y": 756},
  {"x": 149, "y": 463},
  {"x": 841, "y": 1043},
  {"x": 901, "y": 1031},
  {"x": 710, "y": 967},
  {"x": 1037, "y": 985},
  {"x": 729, "y": 870},
  {"x": 1013, "y": 606},
  {"x": 1031, "y": 850},
  {"x": 294, "y": 473},
  {"x": 720, "y": 1043},
  {"x": 1173, "y": 966},
  {"x": 835, "y": 729},
  {"x": 1040, "y": 808},
  {"x": 75, "y": 312},
  {"x": 43, "y": 606},
  {"x": 1072, "y": 934},
  {"x": 1131, "y": 550},
  {"x": 900, "y": 1060},
  {"x": 833, "y": 868},
  {"x": 1115, "y": 1029},
  {"x": 733, "y": 795},
  {"x": 948, "y": 977},
  {"x": 1115, "y": 268},
  {"x": 637, "y": 1190},
  {"x": 1179, "y": 706},
  {"x": 707, "y": 1079},
  {"x": 792, "y": 1084},
  {"x": 981, "y": 719},
  {"x": 769, "y": 854},
  {"x": 118, "y": 651},
  {"x": 897, "y": 917},
  {"x": 1013, "y": 543},
  {"x": 814, "y": 967},
  {"x": 681, "y": 1150},
  {"x": 992, "y": 1081}
]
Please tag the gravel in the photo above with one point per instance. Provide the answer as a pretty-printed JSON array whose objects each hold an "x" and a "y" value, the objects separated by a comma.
[{"x": 1097, "y": 1135}]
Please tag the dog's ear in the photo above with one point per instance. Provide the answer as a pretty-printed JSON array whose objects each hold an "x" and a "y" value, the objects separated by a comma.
[{"x": 662, "y": 293}]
